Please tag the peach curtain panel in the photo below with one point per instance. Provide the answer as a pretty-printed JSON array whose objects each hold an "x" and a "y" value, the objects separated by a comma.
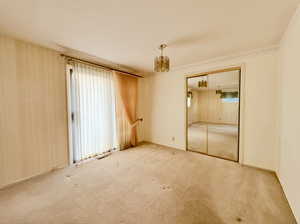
[{"x": 126, "y": 109}]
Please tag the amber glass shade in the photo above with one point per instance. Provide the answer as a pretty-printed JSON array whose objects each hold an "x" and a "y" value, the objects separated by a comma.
[{"x": 161, "y": 64}]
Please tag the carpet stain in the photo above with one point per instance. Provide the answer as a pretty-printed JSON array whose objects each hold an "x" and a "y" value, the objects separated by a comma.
[{"x": 239, "y": 219}]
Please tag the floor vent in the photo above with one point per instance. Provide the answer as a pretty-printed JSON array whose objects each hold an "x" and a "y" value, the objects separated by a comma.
[{"x": 103, "y": 156}]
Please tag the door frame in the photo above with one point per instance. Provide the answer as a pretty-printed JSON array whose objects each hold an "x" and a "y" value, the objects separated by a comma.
[
  {"x": 69, "y": 113},
  {"x": 240, "y": 68}
]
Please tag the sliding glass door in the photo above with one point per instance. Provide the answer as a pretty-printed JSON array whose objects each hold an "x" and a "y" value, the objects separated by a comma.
[{"x": 93, "y": 111}]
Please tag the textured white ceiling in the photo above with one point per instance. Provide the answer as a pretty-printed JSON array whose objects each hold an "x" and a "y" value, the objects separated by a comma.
[{"x": 129, "y": 32}]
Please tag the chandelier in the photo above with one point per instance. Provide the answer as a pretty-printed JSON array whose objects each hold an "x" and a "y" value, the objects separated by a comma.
[
  {"x": 203, "y": 81},
  {"x": 161, "y": 63}
]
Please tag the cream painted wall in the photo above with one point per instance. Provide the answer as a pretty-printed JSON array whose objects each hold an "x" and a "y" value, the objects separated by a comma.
[
  {"x": 33, "y": 118},
  {"x": 290, "y": 111},
  {"x": 165, "y": 106}
]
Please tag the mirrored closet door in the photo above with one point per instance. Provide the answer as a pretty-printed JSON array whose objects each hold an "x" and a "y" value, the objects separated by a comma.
[{"x": 213, "y": 102}]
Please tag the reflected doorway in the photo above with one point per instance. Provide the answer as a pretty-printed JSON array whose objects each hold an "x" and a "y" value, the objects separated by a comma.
[{"x": 213, "y": 112}]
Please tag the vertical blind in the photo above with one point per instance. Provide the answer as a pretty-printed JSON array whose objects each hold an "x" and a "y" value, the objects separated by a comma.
[{"x": 93, "y": 107}]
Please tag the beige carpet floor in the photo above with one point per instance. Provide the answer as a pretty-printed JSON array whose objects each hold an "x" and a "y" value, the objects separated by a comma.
[
  {"x": 214, "y": 139},
  {"x": 148, "y": 185}
]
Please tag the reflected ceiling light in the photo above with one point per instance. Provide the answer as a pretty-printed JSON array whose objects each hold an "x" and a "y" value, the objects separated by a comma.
[
  {"x": 161, "y": 63},
  {"x": 203, "y": 82}
]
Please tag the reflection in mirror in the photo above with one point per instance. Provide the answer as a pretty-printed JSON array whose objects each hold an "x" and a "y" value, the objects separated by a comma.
[{"x": 213, "y": 114}]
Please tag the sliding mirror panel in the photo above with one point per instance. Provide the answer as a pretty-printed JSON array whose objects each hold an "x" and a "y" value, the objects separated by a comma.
[{"x": 197, "y": 129}]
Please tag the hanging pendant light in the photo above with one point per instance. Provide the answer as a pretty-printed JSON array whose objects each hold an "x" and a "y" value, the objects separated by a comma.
[
  {"x": 203, "y": 82},
  {"x": 161, "y": 63}
]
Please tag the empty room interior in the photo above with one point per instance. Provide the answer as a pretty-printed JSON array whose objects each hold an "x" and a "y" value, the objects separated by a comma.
[{"x": 149, "y": 112}]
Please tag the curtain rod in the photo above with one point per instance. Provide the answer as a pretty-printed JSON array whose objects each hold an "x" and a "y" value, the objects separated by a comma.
[{"x": 102, "y": 66}]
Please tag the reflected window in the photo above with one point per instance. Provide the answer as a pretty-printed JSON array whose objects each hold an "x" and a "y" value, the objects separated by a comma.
[
  {"x": 189, "y": 102},
  {"x": 228, "y": 97},
  {"x": 189, "y": 99},
  {"x": 230, "y": 100}
]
